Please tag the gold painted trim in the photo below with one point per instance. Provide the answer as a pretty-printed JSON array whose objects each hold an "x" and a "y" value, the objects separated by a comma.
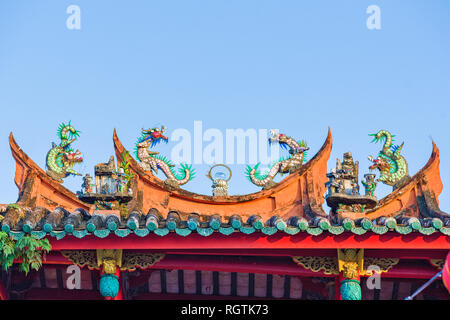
[
  {"x": 385, "y": 264},
  {"x": 82, "y": 258},
  {"x": 316, "y": 264},
  {"x": 438, "y": 263},
  {"x": 350, "y": 261},
  {"x": 329, "y": 265},
  {"x": 133, "y": 260},
  {"x": 110, "y": 258}
]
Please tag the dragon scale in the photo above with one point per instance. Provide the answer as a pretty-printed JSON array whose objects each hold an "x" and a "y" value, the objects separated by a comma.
[{"x": 61, "y": 158}]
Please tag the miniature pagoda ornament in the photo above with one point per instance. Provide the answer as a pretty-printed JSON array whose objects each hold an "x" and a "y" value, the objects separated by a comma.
[
  {"x": 220, "y": 181},
  {"x": 297, "y": 151},
  {"x": 343, "y": 188},
  {"x": 105, "y": 181},
  {"x": 334, "y": 184},
  {"x": 87, "y": 183},
  {"x": 348, "y": 171},
  {"x": 61, "y": 158},
  {"x": 152, "y": 161},
  {"x": 110, "y": 187},
  {"x": 121, "y": 181},
  {"x": 392, "y": 166}
]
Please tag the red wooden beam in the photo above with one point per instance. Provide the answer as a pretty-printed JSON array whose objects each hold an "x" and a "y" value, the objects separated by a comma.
[
  {"x": 417, "y": 269},
  {"x": 411, "y": 269},
  {"x": 256, "y": 241},
  {"x": 281, "y": 266},
  {"x": 55, "y": 257},
  {"x": 408, "y": 254}
]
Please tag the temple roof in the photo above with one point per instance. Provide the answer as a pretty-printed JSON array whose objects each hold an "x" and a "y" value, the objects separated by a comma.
[
  {"x": 293, "y": 206},
  {"x": 300, "y": 193}
]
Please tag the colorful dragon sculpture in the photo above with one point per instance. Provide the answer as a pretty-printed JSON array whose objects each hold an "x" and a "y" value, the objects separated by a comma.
[
  {"x": 61, "y": 158},
  {"x": 152, "y": 161},
  {"x": 294, "y": 161},
  {"x": 392, "y": 166}
]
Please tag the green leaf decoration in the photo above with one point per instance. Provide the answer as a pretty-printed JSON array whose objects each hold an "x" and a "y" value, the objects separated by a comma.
[
  {"x": 125, "y": 165},
  {"x": 28, "y": 248}
]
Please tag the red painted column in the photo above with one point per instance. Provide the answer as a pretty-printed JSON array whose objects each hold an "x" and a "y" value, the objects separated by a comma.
[
  {"x": 120, "y": 294},
  {"x": 337, "y": 288},
  {"x": 3, "y": 292}
]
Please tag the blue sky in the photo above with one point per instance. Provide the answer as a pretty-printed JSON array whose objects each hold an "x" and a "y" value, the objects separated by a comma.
[{"x": 297, "y": 66}]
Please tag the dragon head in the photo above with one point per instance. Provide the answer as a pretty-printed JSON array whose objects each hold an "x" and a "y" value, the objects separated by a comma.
[
  {"x": 153, "y": 136},
  {"x": 287, "y": 142},
  {"x": 73, "y": 157},
  {"x": 379, "y": 163}
]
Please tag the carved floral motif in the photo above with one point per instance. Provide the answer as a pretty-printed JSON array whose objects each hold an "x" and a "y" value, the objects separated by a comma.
[
  {"x": 316, "y": 264},
  {"x": 132, "y": 260},
  {"x": 329, "y": 265},
  {"x": 82, "y": 258},
  {"x": 438, "y": 263},
  {"x": 129, "y": 260}
]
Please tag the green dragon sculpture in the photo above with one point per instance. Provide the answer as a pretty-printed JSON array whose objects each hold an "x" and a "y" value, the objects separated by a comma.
[
  {"x": 152, "y": 161},
  {"x": 293, "y": 162},
  {"x": 61, "y": 158},
  {"x": 392, "y": 166}
]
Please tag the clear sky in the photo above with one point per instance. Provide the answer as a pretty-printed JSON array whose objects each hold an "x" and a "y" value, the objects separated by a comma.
[{"x": 299, "y": 66}]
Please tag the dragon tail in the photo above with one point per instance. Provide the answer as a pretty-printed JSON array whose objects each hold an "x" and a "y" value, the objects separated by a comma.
[
  {"x": 384, "y": 135},
  {"x": 256, "y": 177},
  {"x": 185, "y": 174},
  {"x": 67, "y": 134}
]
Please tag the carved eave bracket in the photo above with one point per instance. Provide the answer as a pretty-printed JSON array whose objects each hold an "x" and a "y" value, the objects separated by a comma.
[
  {"x": 437, "y": 263},
  {"x": 329, "y": 265},
  {"x": 348, "y": 266},
  {"x": 126, "y": 261},
  {"x": 350, "y": 262},
  {"x": 109, "y": 260}
]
